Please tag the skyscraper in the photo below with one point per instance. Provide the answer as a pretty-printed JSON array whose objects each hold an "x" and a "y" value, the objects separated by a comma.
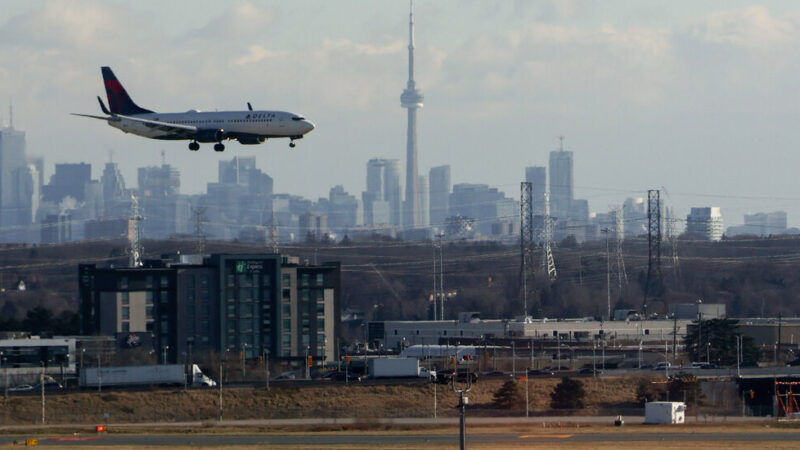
[
  {"x": 381, "y": 200},
  {"x": 439, "y": 195},
  {"x": 537, "y": 177},
  {"x": 411, "y": 99},
  {"x": 12, "y": 164},
  {"x": 561, "y": 185},
  {"x": 424, "y": 198}
]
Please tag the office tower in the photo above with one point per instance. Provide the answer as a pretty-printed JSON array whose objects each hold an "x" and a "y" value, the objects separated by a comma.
[
  {"x": 69, "y": 180},
  {"x": 483, "y": 204},
  {"x": 381, "y": 200},
  {"x": 439, "y": 198},
  {"x": 537, "y": 177},
  {"x": 705, "y": 223},
  {"x": 411, "y": 100},
  {"x": 12, "y": 161},
  {"x": 424, "y": 200},
  {"x": 236, "y": 171},
  {"x": 158, "y": 181},
  {"x": 561, "y": 185},
  {"x": 342, "y": 210}
]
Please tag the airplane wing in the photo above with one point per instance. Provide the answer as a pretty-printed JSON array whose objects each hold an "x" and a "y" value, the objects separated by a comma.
[
  {"x": 96, "y": 117},
  {"x": 187, "y": 130}
]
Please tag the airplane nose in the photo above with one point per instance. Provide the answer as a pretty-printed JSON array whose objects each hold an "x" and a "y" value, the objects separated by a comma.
[{"x": 308, "y": 126}]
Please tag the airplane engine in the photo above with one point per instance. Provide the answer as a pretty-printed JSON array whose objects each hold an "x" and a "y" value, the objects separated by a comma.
[{"x": 212, "y": 135}]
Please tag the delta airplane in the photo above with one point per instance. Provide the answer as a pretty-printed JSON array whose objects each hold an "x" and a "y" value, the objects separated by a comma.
[{"x": 248, "y": 127}]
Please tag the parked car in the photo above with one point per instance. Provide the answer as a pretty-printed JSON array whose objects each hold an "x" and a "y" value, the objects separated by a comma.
[
  {"x": 21, "y": 388},
  {"x": 589, "y": 370},
  {"x": 662, "y": 366},
  {"x": 48, "y": 386},
  {"x": 794, "y": 362},
  {"x": 286, "y": 376}
]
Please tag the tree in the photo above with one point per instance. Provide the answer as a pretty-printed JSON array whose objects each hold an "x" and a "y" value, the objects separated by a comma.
[
  {"x": 716, "y": 339},
  {"x": 568, "y": 394},
  {"x": 508, "y": 396}
]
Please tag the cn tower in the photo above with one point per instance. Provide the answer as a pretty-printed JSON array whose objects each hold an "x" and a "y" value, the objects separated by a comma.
[{"x": 411, "y": 99}]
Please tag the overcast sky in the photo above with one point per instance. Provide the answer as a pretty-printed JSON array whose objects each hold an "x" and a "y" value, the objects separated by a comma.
[{"x": 698, "y": 97}]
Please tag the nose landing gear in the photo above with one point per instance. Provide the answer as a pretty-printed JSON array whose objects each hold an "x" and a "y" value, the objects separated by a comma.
[
  {"x": 292, "y": 144},
  {"x": 194, "y": 146}
]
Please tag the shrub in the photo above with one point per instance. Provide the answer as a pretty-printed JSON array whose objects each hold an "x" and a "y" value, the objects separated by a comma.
[{"x": 568, "y": 394}]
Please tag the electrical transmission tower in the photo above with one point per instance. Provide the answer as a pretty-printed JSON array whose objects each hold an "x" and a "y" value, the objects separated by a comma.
[
  {"x": 672, "y": 238},
  {"x": 273, "y": 234},
  {"x": 654, "y": 284},
  {"x": 525, "y": 239},
  {"x": 134, "y": 234},
  {"x": 618, "y": 268},
  {"x": 199, "y": 230},
  {"x": 548, "y": 264}
]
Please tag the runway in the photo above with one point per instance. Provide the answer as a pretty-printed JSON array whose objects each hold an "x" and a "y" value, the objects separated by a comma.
[{"x": 413, "y": 439}]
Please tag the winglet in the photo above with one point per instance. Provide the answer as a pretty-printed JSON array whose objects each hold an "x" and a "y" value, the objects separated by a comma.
[{"x": 103, "y": 106}]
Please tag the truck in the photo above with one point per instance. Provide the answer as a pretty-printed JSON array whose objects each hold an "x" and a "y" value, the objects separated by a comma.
[
  {"x": 394, "y": 367},
  {"x": 165, "y": 374}
]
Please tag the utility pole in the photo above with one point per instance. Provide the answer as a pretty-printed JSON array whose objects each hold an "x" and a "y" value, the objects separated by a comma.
[
  {"x": 43, "y": 401},
  {"x": 608, "y": 277},
  {"x": 441, "y": 275},
  {"x": 220, "y": 388},
  {"x": 654, "y": 283},
  {"x": 435, "y": 294}
]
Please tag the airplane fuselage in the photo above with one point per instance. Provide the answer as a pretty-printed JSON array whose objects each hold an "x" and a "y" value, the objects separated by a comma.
[{"x": 246, "y": 126}]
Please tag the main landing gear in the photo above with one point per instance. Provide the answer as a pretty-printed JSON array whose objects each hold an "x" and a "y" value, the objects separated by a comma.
[
  {"x": 194, "y": 146},
  {"x": 219, "y": 147}
]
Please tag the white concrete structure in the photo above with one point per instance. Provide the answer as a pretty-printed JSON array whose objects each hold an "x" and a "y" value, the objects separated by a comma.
[{"x": 705, "y": 222}]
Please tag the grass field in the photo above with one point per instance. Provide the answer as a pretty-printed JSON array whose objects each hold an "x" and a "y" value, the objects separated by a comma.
[{"x": 604, "y": 396}]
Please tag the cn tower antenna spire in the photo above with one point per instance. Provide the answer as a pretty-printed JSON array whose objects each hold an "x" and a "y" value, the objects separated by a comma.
[{"x": 411, "y": 100}]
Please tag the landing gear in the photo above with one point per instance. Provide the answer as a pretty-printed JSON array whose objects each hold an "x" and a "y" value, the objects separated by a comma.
[
  {"x": 194, "y": 146},
  {"x": 219, "y": 147},
  {"x": 291, "y": 144}
]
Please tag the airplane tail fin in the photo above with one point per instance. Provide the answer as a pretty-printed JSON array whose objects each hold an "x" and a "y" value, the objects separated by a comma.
[{"x": 119, "y": 100}]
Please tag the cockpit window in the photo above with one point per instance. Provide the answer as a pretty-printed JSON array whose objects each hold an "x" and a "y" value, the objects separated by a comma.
[{"x": 298, "y": 118}]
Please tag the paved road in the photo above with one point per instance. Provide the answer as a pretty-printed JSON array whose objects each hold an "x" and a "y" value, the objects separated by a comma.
[{"x": 409, "y": 439}]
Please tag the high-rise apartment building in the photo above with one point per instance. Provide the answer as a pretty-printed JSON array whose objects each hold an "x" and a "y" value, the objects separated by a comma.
[
  {"x": 249, "y": 303},
  {"x": 705, "y": 223}
]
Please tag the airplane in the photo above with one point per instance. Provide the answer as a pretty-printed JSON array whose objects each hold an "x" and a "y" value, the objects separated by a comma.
[{"x": 248, "y": 127}]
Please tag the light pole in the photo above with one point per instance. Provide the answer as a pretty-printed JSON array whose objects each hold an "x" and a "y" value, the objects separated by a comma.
[
  {"x": 513, "y": 360},
  {"x": 594, "y": 363},
  {"x": 41, "y": 383},
  {"x": 164, "y": 354},
  {"x": 308, "y": 369},
  {"x": 221, "y": 373},
  {"x": 640, "y": 354},
  {"x": 5, "y": 368},
  {"x": 708, "y": 352},
  {"x": 99, "y": 376},
  {"x": 244, "y": 368},
  {"x": 738, "y": 356},
  {"x": 185, "y": 372},
  {"x": 462, "y": 402},
  {"x": 266, "y": 365}
]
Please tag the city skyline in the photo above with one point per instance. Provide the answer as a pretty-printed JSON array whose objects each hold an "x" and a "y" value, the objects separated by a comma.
[{"x": 646, "y": 96}]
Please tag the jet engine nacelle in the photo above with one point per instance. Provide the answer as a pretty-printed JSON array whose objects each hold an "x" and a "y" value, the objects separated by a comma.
[{"x": 212, "y": 135}]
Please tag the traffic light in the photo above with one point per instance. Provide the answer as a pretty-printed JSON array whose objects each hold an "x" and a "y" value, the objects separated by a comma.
[
  {"x": 752, "y": 394},
  {"x": 310, "y": 361},
  {"x": 453, "y": 361},
  {"x": 347, "y": 359}
]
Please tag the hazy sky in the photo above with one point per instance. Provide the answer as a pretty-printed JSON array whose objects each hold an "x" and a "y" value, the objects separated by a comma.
[{"x": 698, "y": 97}]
